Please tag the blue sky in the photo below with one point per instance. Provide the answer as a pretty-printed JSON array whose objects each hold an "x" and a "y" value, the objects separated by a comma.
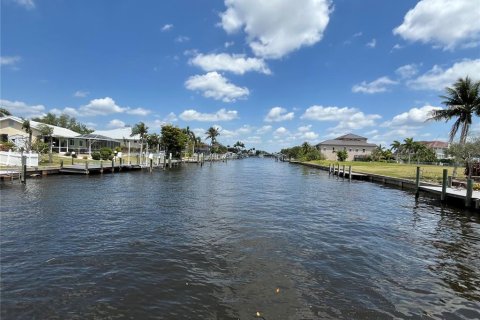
[{"x": 270, "y": 73}]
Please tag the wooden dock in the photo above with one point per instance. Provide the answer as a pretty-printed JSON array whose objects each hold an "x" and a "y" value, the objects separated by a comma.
[
  {"x": 97, "y": 169},
  {"x": 9, "y": 174},
  {"x": 454, "y": 193}
]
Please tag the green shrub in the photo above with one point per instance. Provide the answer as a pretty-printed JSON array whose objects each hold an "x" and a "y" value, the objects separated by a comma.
[
  {"x": 96, "y": 156},
  {"x": 68, "y": 154},
  {"x": 342, "y": 155},
  {"x": 106, "y": 153}
]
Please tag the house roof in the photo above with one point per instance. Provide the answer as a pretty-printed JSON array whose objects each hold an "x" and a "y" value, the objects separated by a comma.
[
  {"x": 348, "y": 140},
  {"x": 118, "y": 134},
  {"x": 92, "y": 136},
  {"x": 435, "y": 144},
  {"x": 57, "y": 131}
]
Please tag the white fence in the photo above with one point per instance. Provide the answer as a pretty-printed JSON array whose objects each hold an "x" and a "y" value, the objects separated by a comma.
[{"x": 9, "y": 158}]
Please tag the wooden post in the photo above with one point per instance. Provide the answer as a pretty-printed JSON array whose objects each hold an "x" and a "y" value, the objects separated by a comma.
[
  {"x": 138, "y": 159},
  {"x": 417, "y": 183},
  {"x": 101, "y": 166},
  {"x": 198, "y": 158},
  {"x": 350, "y": 173},
  {"x": 151, "y": 165},
  {"x": 443, "y": 197},
  {"x": 23, "y": 171},
  {"x": 61, "y": 164},
  {"x": 343, "y": 171},
  {"x": 468, "y": 199},
  {"x": 450, "y": 181},
  {"x": 86, "y": 166},
  {"x": 170, "y": 160},
  {"x": 72, "y": 160},
  {"x": 164, "y": 161},
  {"x": 338, "y": 170},
  {"x": 329, "y": 168},
  {"x": 113, "y": 165}
]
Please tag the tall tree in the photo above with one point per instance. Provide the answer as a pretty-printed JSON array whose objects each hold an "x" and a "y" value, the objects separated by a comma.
[
  {"x": 462, "y": 101},
  {"x": 408, "y": 146},
  {"x": 212, "y": 134},
  {"x": 28, "y": 129},
  {"x": 140, "y": 129},
  {"x": 174, "y": 139},
  {"x": 396, "y": 147}
]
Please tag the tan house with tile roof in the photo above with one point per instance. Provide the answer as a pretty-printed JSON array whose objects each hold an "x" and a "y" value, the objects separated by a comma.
[{"x": 356, "y": 146}]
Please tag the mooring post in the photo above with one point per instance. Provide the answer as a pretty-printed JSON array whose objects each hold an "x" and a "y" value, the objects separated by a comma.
[
  {"x": 350, "y": 173},
  {"x": 138, "y": 159},
  {"x": 23, "y": 172},
  {"x": 417, "y": 183},
  {"x": 443, "y": 197},
  {"x": 61, "y": 164},
  {"x": 329, "y": 168},
  {"x": 198, "y": 158},
  {"x": 170, "y": 160},
  {"x": 113, "y": 165},
  {"x": 72, "y": 160},
  {"x": 86, "y": 165},
  {"x": 151, "y": 165},
  {"x": 468, "y": 199},
  {"x": 343, "y": 171},
  {"x": 164, "y": 161},
  {"x": 450, "y": 181},
  {"x": 338, "y": 170},
  {"x": 101, "y": 166}
]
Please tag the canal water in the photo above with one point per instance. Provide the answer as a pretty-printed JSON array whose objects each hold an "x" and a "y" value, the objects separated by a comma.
[{"x": 228, "y": 240}]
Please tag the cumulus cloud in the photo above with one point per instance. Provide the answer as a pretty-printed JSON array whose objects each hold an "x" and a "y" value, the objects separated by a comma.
[
  {"x": 444, "y": 23},
  {"x": 81, "y": 94},
  {"x": 437, "y": 78},
  {"x": 280, "y": 132},
  {"x": 376, "y": 86},
  {"x": 181, "y": 39},
  {"x": 9, "y": 60},
  {"x": 115, "y": 123},
  {"x": 101, "y": 107},
  {"x": 277, "y": 114},
  {"x": 348, "y": 118},
  {"x": 27, "y": 4},
  {"x": 214, "y": 85},
  {"x": 171, "y": 117},
  {"x": 276, "y": 28},
  {"x": 412, "y": 117},
  {"x": 137, "y": 111},
  {"x": 68, "y": 111},
  {"x": 264, "y": 129},
  {"x": 167, "y": 27},
  {"x": 21, "y": 109},
  {"x": 236, "y": 63},
  {"x": 407, "y": 71},
  {"x": 372, "y": 43},
  {"x": 220, "y": 115}
]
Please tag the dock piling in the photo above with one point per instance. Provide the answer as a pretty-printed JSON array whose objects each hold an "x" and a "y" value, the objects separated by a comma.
[
  {"x": 417, "y": 183},
  {"x": 101, "y": 166},
  {"x": 443, "y": 197},
  {"x": 151, "y": 165},
  {"x": 329, "y": 169},
  {"x": 23, "y": 171},
  {"x": 450, "y": 180},
  {"x": 468, "y": 198},
  {"x": 343, "y": 172},
  {"x": 61, "y": 164},
  {"x": 349, "y": 173}
]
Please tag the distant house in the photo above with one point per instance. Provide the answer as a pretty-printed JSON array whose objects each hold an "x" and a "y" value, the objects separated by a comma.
[
  {"x": 357, "y": 147},
  {"x": 439, "y": 147},
  {"x": 64, "y": 140},
  {"x": 121, "y": 135}
]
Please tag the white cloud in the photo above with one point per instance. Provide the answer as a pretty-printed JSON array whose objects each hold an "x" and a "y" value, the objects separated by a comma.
[
  {"x": 437, "y": 78},
  {"x": 68, "y": 111},
  {"x": 396, "y": 47},
  {"x": 137, "y": 111},
  {"x": 305, "y": 128},
  {"x": 115, "y": 123},
  {"x": 220, "y": 115},
  {"x": 376, "y": 86},
  {"x": 372, "y": 43},
  {"x": 412, "y": 117},
  {"x": 101, "y": 107},
  {"x": 242, "y": 131},
  {"x": 9, "y": 60},
  {"x": 445, "y": 23},
  {"x": 21, "y": 109},
  {"x": 167, "y": 27},
  {"x": 348, "y": 118},
  {"x": 27, "y": 4},
  {"x": 81, "y": 94},
  {"x": 264, "y": 129},
  {"x": 181, "y": 39},
  {"x": 214, "y": 85},
  {"x": 407, "y": 71},
  {"x": 229, "y": 44},
  {"x": 277, "y": 114},
  {"x": 236, "y": 63},
  {"x": 276, "y": 28},
  {"x": 171, "y": 117},
  {"x": 280, "y": 132}
]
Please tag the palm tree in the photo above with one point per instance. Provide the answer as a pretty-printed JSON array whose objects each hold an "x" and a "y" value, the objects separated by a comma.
[
  {"x": 408, "y": 146},
  {"x": 396, "y": 147},
  {"x": 212, "y": 134},
  {"x": 153, "y": 140},
  {"x": 4, "y": 112},
  {"x": 191, "y": 138},
  {"x": 47, "y": 131},
  {"x": 28, "y": 129},
  {"x": 141, "y": 129},
  {"x": 462, "y": 101}
]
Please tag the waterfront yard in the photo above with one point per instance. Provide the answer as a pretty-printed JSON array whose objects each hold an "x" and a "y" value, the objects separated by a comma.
[{"x": 431, "y": 173}]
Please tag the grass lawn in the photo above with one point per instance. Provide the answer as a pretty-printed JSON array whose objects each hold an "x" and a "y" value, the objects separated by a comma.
[{"x": 405, "y": 171}]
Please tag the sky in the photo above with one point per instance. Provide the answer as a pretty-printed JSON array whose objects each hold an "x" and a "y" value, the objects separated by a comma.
[{"x": 269, "y": 73}]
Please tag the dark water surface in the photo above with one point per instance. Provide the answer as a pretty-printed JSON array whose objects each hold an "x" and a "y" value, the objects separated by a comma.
[{"x": 217, "y": 242}]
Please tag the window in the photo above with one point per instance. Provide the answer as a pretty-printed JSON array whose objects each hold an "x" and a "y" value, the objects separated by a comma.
[
  {"x": 356, "y": 150},
  {"x": 71, "y": 142},
  {"x": 81, "y": 143},
  {"x": 350, "y": 150},
  {"x": 363, "y": 151}
]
